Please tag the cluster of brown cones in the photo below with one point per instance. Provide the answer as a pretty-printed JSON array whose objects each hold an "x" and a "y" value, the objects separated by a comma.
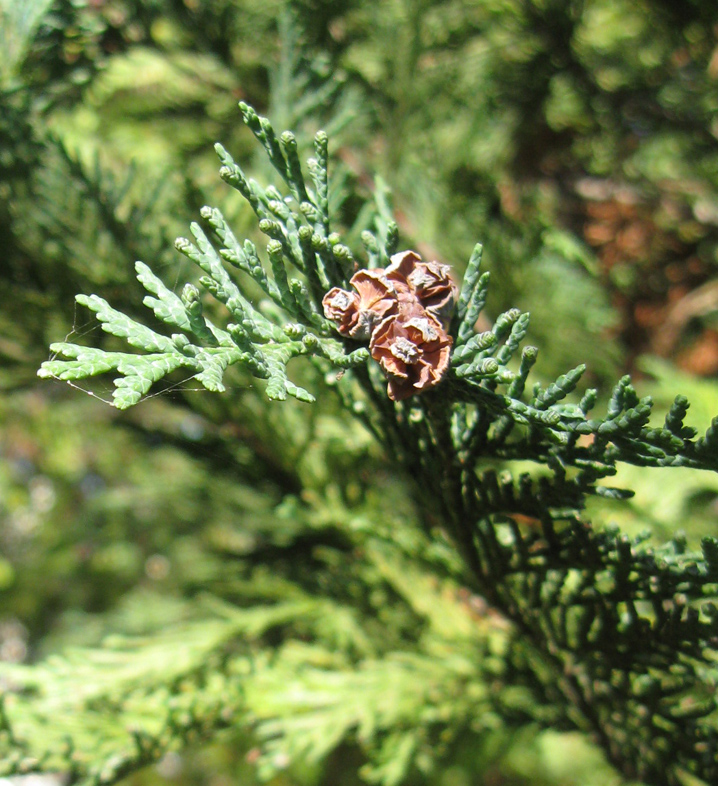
[{"x": 403, "y": 311}]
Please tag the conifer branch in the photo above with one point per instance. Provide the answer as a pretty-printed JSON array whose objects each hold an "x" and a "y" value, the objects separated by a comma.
[{"x": 618, "y": 638}]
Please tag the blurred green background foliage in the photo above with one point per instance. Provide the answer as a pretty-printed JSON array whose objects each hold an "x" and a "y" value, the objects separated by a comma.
[{"x": 576, "y": 140}]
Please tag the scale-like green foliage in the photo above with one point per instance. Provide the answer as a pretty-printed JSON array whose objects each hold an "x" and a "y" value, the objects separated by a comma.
[
  {"x": 607, "y": 634},
  {"x": 261, "y": 338}
]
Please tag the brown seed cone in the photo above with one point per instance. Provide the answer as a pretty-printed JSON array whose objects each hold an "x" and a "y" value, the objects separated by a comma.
[
  {"x": 413, "y": 353},
  {"x": 430, "y": 282},
  {"x": 358, "y": 313}
]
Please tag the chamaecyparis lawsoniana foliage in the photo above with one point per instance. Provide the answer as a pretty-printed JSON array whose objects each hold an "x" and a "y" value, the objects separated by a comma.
[{"x": 598, "y": 632}]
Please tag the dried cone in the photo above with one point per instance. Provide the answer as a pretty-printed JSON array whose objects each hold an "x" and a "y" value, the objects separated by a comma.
[
  {"x": 403, "y": 310},
  {"x": 430, "y": 283},
  {"x": 413, "y": 354},
  {"x": 356, "y": 314},
  {"x": 342, "y": 307}
]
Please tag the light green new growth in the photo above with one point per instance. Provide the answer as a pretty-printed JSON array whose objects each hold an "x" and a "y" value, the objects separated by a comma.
[{"x": 137, "y": 699}]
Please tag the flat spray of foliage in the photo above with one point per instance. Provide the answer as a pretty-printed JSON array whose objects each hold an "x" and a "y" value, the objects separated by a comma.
[{"x": 599, "y": 632}]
